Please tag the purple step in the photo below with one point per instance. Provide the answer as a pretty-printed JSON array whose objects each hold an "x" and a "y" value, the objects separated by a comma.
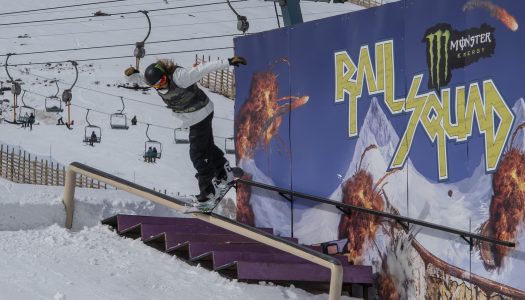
[
  {"x": 310, "y": 272},
  {"x": 223, "y": 258},
  {"x": 125, "y": 223},
  {"x": 197, "y": 249},
  {"x": 149, "y": 231}
]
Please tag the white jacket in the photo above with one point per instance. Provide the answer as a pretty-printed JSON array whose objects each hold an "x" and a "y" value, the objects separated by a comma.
[{"x": 185, "y": 77}]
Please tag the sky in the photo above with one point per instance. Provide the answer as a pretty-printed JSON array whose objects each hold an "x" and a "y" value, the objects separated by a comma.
[{"x": 40, "y": 258}]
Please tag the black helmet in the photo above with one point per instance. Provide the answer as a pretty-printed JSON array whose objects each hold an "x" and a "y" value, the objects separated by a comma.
[{"x": 153, "y": 73}]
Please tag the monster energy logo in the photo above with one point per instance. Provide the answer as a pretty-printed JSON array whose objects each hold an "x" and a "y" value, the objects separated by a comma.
[
  {"x": 448, "y": 49},
  {"x": 438, "y": 40}
]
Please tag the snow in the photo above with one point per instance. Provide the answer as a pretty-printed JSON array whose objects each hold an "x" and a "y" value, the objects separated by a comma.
[{"x": 40, "y": 258}]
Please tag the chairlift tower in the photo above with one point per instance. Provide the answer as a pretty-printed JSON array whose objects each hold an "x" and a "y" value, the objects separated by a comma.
[{"x": 291, "y": 9}]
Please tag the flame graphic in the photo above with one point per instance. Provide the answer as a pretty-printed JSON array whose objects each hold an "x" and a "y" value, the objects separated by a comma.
[
  {"x": 507, "y": 208},
  {"x": 261, "y": 115},
  {"x": 495, "y": 11},
  {"x": 257, "y": 123},
  {"x": 361, "y": 228}
]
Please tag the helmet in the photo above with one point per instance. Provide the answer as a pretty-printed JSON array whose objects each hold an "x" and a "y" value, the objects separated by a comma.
[{"x": 153, "y": 73}]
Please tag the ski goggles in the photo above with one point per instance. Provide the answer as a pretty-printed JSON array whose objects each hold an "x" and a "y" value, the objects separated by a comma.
[{"x": 162, "y": 81}]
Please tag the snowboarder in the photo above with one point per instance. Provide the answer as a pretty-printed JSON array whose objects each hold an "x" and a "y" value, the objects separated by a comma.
[
  {"x": 134, "y": 120},
  {"x": 177, "y": 86},
  {"x": 60, "y": 121}
]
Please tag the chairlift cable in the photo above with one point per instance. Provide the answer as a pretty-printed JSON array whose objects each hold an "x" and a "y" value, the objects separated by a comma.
[
  {"x": 136, "y": 28},
  {"x": 109, "y": 94},
  {"x": 106, "y": 93},
  {"x": 122, "y": 45},
  {"x": 57, "y": 7},
  {"x": 140, "y": 122},
  {"x": 128, "y": 4},
  {"x": 113, "y": 14},
  {"x": 123, "y": 56}
]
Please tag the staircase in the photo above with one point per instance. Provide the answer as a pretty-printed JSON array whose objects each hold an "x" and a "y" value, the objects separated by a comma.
[{"x": 233, "y": 255}]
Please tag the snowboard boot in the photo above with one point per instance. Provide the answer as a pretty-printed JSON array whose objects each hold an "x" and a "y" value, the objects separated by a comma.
[
  {"x": 207, "y": 189},
  {"x": 224, "y": 176}
]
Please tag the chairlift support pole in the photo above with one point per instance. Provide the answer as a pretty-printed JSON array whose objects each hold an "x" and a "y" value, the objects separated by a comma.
[
  {"x": 140, "y": 52},
  {"x": 290, "y": 11},
  {"x": 15, "y": 87}
]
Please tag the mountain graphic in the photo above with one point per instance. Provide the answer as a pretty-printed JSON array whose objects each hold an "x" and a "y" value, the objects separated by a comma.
[{"x": 466, "y": 209}]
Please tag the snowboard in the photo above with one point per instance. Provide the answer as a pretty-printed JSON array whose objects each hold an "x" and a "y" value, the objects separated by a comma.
[{"x": 223, "y": 190}]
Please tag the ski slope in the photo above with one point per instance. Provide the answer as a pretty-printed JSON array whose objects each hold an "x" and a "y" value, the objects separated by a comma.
[{"x": 41, "y": 259}]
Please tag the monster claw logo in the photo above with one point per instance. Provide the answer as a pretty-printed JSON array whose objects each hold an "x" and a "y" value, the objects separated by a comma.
[
  {"x": 448, "y": 49},
  {"x": 437, "y": 40}
]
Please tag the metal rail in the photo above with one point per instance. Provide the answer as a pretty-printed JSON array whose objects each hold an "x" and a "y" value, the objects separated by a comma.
[
  {"x": 336, "y": 269},
  {"x": 467, "y": 236}
]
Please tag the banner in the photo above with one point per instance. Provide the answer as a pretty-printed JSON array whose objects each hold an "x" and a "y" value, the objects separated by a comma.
[{"x": 412, "y": 108}]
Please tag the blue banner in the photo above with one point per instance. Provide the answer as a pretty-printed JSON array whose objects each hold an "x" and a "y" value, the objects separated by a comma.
[{"x": 412, "y": 108}]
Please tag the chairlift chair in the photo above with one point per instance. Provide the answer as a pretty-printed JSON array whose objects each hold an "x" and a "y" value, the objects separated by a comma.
[
  {"x": 153, "y": 144},
  {"x": 54, "y": 103},
  {"x": 25, "y": 111},
  {"x": 229, "y": 145},
  {"x": 89, "y": 129},
  {"x": 181, "y": 136},
  {"x": 119, "y": 120}
]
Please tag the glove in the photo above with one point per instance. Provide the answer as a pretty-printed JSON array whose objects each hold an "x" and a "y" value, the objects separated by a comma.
[
  {"x": 236, "y": 60},
  {"x": 130, "y": 71}
]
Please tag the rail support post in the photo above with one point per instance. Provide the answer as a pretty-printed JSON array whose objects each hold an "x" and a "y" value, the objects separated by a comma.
[
  {"x": 69, "y": 197},
  {"x": 336, "y": 282}
]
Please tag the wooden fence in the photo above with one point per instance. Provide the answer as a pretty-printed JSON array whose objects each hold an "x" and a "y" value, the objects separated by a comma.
[
  {"x": 220, "y": 82},
  {"x": 21, "y": 167}
]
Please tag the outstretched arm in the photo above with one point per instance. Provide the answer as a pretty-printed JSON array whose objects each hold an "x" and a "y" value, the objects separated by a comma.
[{"x": 185, "y": 77}]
